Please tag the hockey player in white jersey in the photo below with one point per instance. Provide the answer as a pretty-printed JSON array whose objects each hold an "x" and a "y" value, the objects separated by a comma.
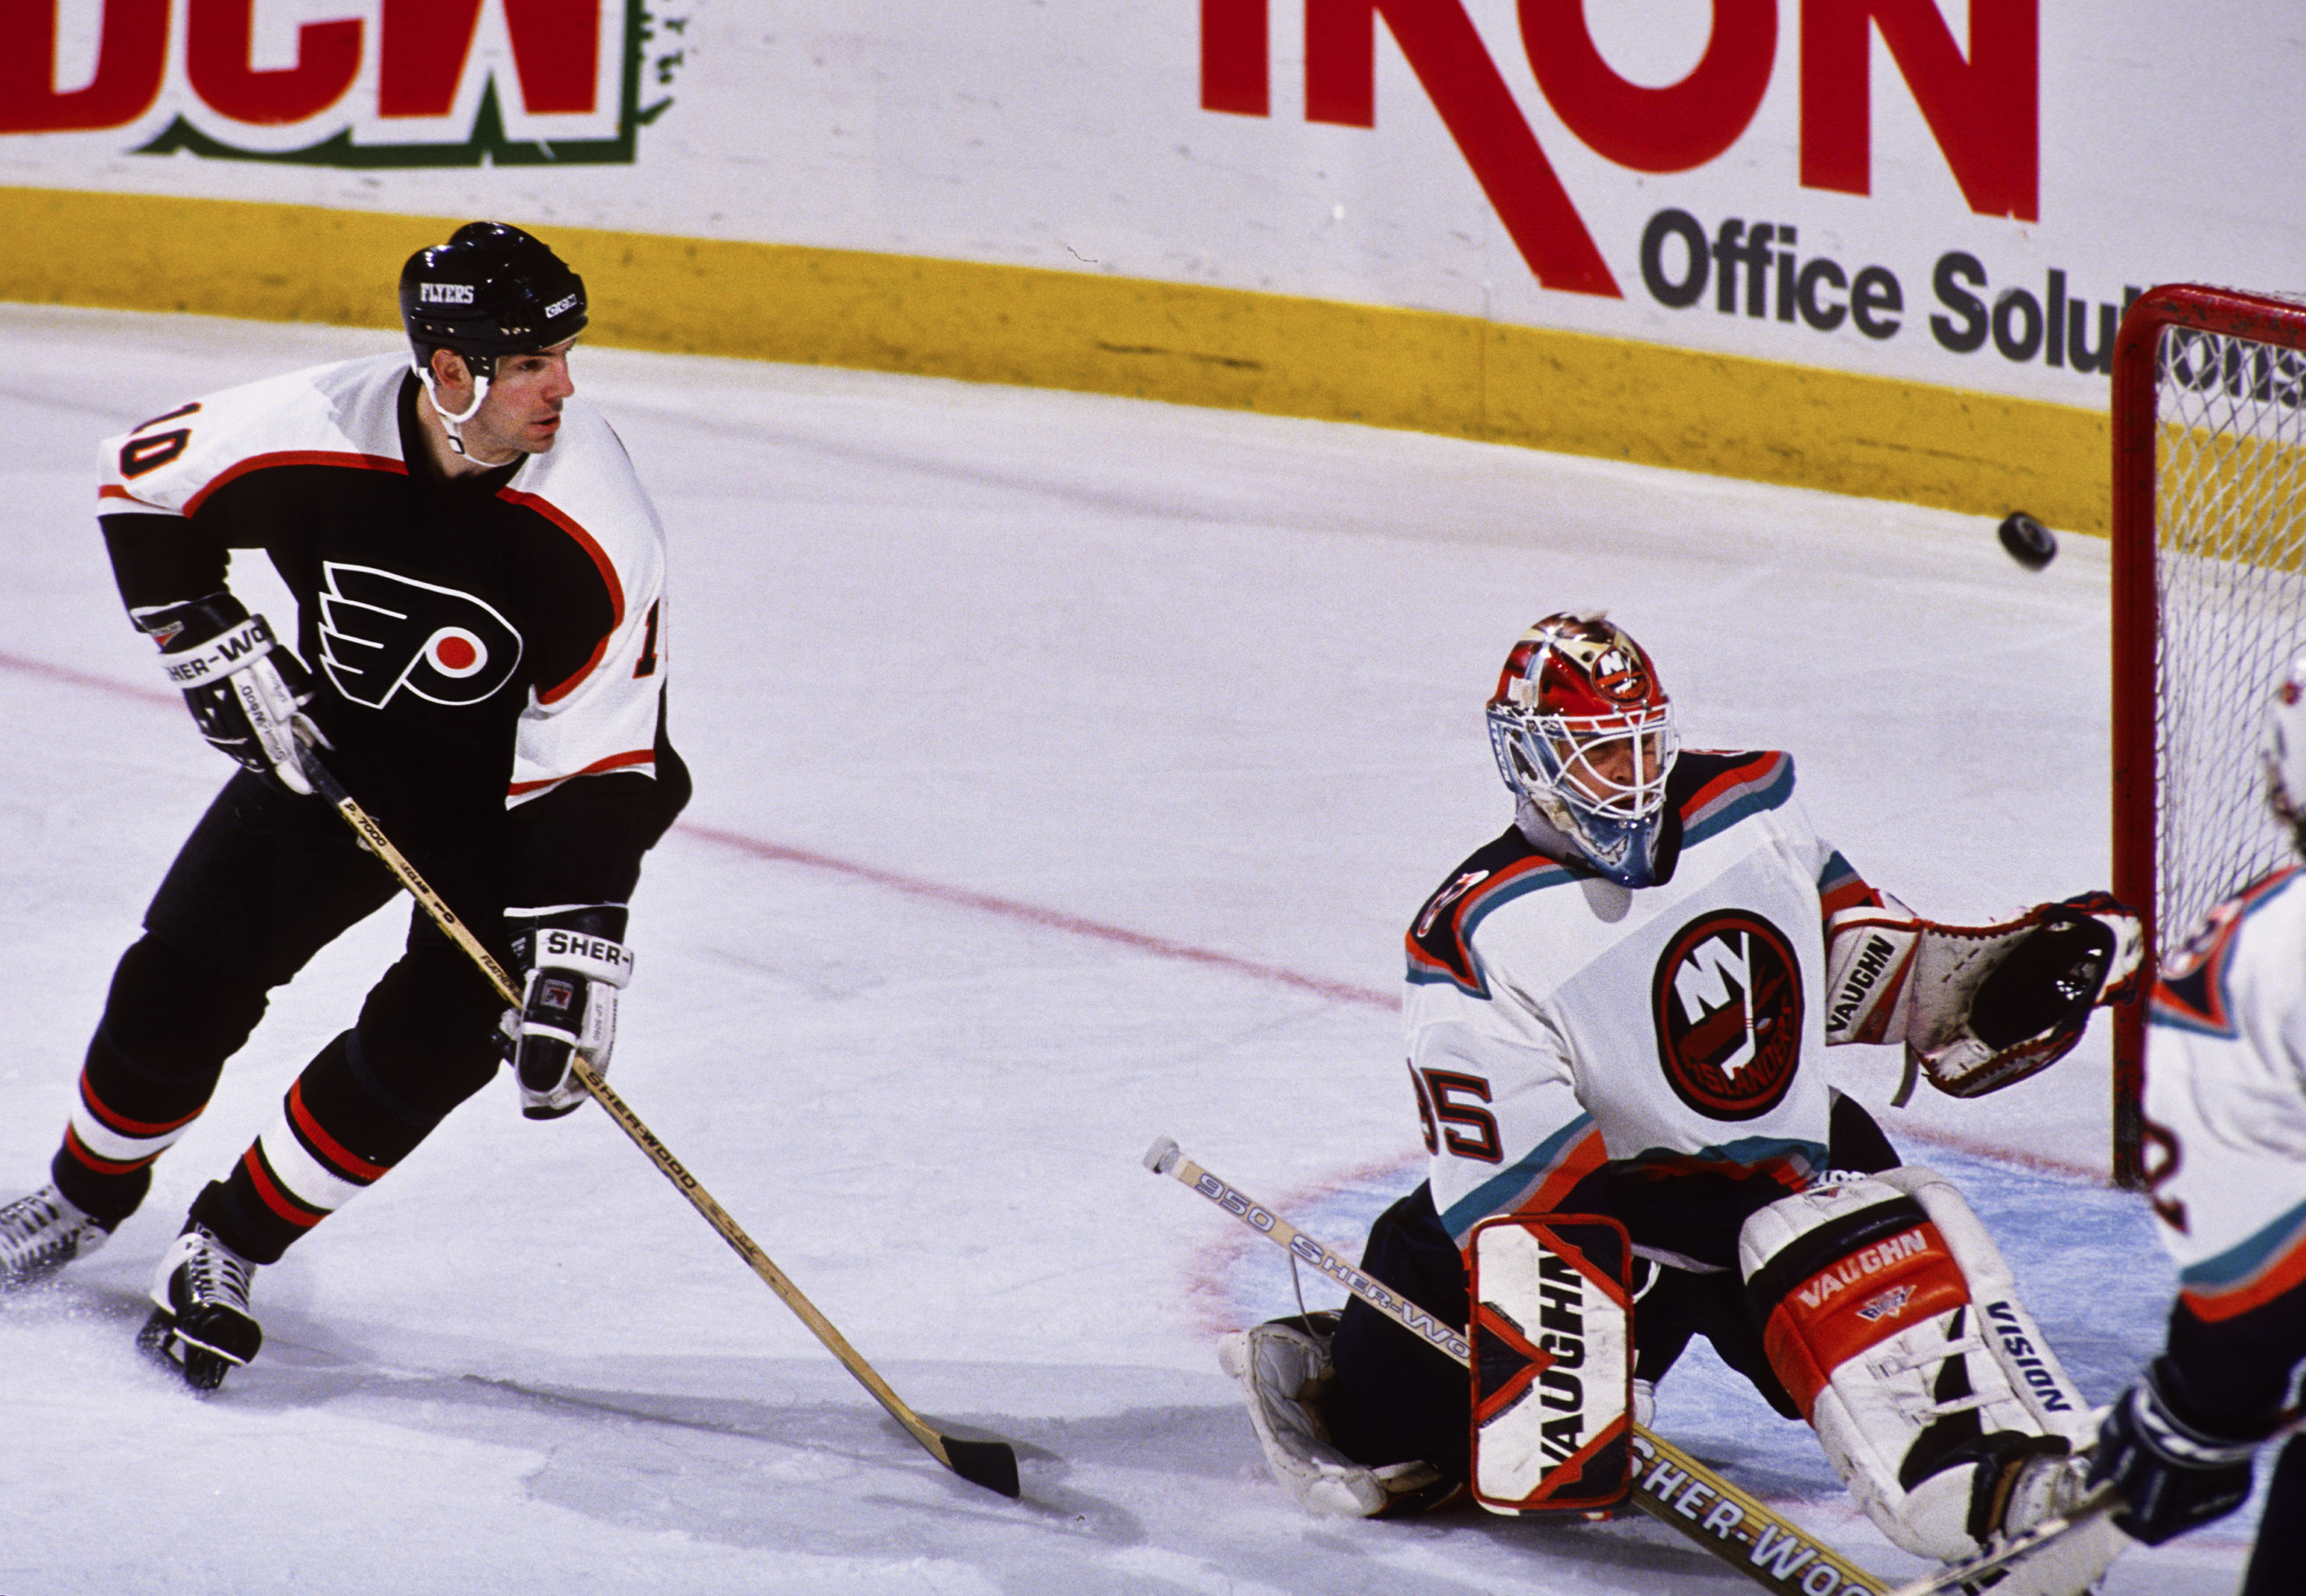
[
  {"x": 1616, "y": 1008},
  {"x": 2225, "y": 1133}
]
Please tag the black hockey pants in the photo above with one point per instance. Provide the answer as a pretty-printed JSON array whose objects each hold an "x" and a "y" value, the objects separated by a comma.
[{"x": 262, "y": 885}]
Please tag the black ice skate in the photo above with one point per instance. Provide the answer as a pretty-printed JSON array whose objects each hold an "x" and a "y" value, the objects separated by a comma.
[
  {"x": 200, "y": 1325},
  {"x": 41, "y": 1234}
]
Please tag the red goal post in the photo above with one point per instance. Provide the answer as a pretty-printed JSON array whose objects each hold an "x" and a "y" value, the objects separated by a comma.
[{"x": 2208, "y": 603}]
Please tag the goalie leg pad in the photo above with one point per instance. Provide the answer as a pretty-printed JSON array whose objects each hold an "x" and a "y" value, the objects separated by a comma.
[
  {"x": 1890, "y": 1315},
  {"x": 1283, "y": 1370},
  {"x": 1553, "y": 1363}
]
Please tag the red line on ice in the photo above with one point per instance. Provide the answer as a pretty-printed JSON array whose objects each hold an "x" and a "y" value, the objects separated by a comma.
[
  {"x": 1033, "y": 914},
  {"x": 1055, "y": 919}
]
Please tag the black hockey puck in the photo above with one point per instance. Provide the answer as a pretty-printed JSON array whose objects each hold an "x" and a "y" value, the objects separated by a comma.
[{"x": 2030, "y": 543}]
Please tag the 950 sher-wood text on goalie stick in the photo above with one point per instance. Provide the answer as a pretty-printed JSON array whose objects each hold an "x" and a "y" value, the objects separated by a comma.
[
  {"x": 1669, "y": 1484},
  {"x": 992, "y": 1465}
]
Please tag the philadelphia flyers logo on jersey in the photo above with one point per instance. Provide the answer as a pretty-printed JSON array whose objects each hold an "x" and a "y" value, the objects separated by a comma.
[
  {"x": 1727, "y": 1002},
  {"x": 382, "y": 633}
]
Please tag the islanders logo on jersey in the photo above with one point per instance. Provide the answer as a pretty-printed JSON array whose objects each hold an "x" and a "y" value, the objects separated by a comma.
[
  {"x": 381, "y": 631},
  {"x": 1726, "y": 1002}
]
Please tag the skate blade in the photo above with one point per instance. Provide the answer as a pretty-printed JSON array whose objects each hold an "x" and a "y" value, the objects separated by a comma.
[{"x": 202, "y": 1368}]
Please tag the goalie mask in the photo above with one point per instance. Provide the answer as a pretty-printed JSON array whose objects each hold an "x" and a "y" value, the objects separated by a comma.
[
  {"x": 1582, "y": 730},
  {"x": 2285, "y": 751}
]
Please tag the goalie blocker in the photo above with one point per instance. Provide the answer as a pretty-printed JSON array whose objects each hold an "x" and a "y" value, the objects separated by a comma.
[{"x": 1978, "y": 1007}]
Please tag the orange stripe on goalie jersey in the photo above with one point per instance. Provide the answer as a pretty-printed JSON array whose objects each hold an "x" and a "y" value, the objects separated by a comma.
[
  {"x": 1864, "y": 1300},
  {"x": 1587, "y": 1154},
  {"x": 2285, "y": 1273}
]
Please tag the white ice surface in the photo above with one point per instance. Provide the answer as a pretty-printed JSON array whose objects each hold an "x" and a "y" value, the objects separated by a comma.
[{"x": 1066, "y": 770}]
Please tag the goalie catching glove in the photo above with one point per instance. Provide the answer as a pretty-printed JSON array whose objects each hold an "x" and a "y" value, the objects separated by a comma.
[
  {"x": 577, "y": 963},
  {"x": 1978, "y": 1007},
  {"x": 247, "y": 693}
]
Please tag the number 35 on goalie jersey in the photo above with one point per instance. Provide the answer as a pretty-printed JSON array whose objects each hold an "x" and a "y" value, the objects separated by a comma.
[{"x": 1556, "y": 1020}]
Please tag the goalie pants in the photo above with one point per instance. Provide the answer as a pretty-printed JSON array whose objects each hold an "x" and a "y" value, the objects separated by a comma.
[
  {"x": 264, "y": 882},
  {"x": 2281, "y": 1549},
  {"x": 1398, "y": 1399}
]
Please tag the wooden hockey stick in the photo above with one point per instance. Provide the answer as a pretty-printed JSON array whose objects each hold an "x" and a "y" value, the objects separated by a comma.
[
  {"x": 992, "y": 1465},
  {"x": 1669, "y": 1485}
]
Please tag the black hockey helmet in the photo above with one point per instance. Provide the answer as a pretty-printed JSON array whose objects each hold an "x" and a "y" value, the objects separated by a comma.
[{"x": 490, "y": 290}]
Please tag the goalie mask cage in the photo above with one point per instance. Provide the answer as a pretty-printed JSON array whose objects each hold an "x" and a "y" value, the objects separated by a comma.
[{"x": 2209, "y": 604}]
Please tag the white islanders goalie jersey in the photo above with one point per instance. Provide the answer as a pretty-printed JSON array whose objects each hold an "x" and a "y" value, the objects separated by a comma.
[
  {"x": 2226, "y": 1102},
  {"x": 1557, "y": 1021}
]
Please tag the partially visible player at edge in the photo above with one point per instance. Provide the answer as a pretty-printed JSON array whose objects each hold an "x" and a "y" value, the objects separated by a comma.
[
  {"x": 478, "y": 577},
  {"x": 1616, "y": 1008},
  {"x": 2226, "y": 1130}
]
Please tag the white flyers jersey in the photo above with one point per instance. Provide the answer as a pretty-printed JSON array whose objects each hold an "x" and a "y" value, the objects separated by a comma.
[
  {"x": 1557, "y": 1019},
  {"x": 493, "y": 634},
  {"x": 2226, "y": 1101}
]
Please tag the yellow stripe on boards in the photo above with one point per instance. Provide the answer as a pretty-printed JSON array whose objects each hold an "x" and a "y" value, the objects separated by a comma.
[{"x": 1187, "y": 343}]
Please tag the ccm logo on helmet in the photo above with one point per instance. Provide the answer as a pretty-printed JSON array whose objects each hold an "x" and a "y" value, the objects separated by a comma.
[
  {"x": 447, "y": 294},
  {"x": 381, "y": 631}
]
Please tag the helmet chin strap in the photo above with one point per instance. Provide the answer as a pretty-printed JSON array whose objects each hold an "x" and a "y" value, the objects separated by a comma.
[{"x": 454, "y": 422}]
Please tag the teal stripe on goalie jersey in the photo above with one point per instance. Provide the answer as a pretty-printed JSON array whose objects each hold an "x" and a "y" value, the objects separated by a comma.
[
  {"x": 2200, "y": 999},
  {"x": 1839, "y": 873},
  {"x": 2242, "y": 1264},
  {"x": 1771, "y": 783},
  {"x": 1504, "y": 1191},
  {"x": 1533, "y": 875}
]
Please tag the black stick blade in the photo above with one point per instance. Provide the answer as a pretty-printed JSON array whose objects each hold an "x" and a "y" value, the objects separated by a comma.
[{"x": 989, "y": 1463}]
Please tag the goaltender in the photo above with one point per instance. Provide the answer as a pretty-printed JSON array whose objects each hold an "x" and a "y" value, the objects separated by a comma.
[{"x": 1616, "y": 1008}]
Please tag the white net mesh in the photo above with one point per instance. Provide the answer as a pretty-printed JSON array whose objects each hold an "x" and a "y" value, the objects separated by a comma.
[{"x": 2230, "y": 523}]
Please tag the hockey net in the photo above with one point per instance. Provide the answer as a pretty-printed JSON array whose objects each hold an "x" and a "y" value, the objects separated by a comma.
[{"x": 2209, "y": 603}]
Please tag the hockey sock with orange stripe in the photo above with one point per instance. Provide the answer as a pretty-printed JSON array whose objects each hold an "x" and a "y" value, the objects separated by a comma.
[
  {"x": 168, "y": 1026},
  {"x": 339, "y": 1130}
]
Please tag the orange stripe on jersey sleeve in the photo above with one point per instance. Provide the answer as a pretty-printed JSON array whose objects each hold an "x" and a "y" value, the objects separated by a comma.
[{"x": 614, "y": 762}]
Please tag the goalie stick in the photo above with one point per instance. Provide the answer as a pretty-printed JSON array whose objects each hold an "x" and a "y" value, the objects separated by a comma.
[
  {"x": 992, "y": 1465},
  {"x": 1669, "y": 1484}
]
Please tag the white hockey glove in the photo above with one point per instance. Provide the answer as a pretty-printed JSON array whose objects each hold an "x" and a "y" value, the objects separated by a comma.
[
  {"x": 1978, "y": 1007},
  {"x": 247, "y": 693},
  {"x": 577, "y": 963}
]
